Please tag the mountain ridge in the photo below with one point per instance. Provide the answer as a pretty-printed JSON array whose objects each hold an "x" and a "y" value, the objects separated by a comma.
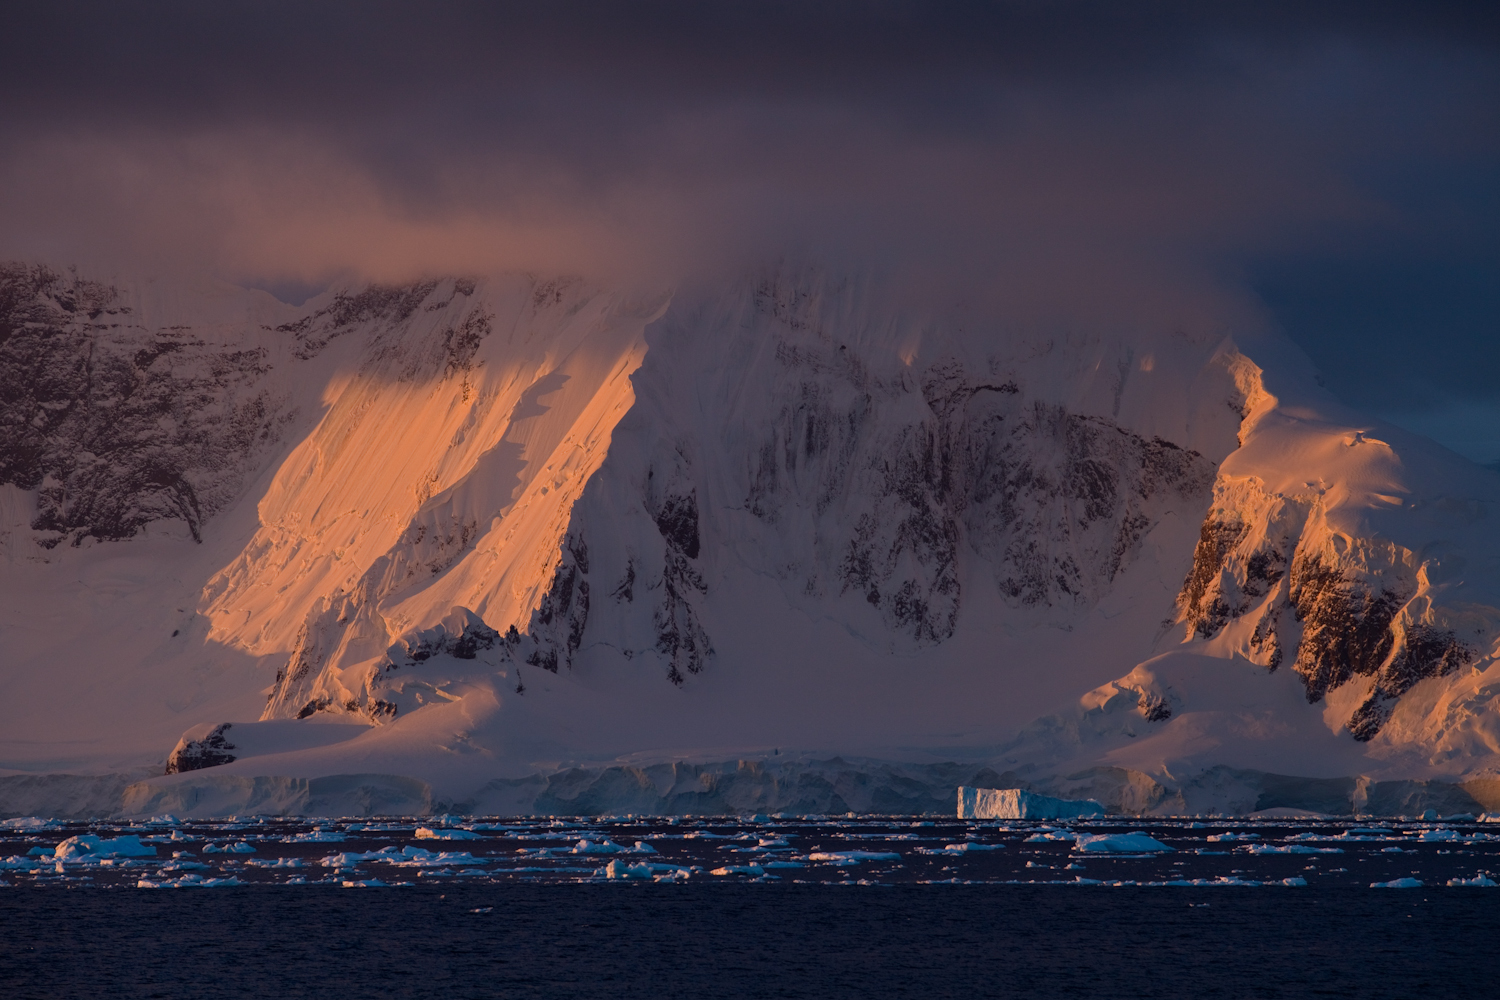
[{"x": 524, "y": 512}]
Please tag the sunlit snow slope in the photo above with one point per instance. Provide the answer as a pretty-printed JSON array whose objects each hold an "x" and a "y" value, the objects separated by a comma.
[{"x": 476, "y": 532}]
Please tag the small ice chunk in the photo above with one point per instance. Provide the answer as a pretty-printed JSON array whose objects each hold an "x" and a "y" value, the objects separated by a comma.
[{"x": 1399, "y": 883}]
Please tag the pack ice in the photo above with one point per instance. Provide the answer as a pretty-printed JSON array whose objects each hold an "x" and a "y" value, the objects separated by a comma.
[{"x": 528, "y": 544}]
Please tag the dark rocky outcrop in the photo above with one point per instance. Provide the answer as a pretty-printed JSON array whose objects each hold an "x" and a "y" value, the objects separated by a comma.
[
  {"x": 209, "y": 750},
  {"x": 557, "y": 624},
  {"x": 114, "y": 425}
]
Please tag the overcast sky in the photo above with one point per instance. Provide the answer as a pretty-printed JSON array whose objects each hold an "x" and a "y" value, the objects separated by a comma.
[{"x": 1334, "y": 171}]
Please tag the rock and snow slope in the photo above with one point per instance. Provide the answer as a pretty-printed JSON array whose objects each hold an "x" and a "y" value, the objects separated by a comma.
[{"x": 477, "y": 531}]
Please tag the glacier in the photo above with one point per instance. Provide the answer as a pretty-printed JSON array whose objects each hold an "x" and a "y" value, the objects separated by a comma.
[{"x": 523, "y": 544}]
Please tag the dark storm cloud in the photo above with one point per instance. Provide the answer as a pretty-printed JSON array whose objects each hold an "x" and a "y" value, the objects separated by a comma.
[{"x": 1080, "y": 162}]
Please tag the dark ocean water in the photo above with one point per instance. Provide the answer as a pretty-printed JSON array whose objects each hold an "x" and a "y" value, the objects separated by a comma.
[
  {"x": 781, "y": 906},
  {"x": 655, "y": 940}
]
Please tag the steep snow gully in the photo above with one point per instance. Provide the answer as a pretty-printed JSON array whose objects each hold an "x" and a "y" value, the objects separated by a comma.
[{"x": 529, "y": 544}]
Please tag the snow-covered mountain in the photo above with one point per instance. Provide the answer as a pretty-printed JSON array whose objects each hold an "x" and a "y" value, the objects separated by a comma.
[{"x": 533, "y": 544}]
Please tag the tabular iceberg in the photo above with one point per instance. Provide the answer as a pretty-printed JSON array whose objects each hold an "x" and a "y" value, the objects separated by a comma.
[{"x": 1017, "y": 803}]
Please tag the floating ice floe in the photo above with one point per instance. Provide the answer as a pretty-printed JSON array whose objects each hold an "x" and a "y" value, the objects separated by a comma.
[
  {"x": 412, "y": 857},
  {"x": 126, "y": 846},
  {"x": 428, "y": 833},
  {"x": 1119, "y": 843},
  {"x": 237, "y": 848},
  {"x": 28, "y": 823},
  {"x": 1440, "y": 836},
  {"x": 187, "y": 882},
  {"x": 603, "y": 847},
  {"x": 1477, "y": 880},
  {"x": 1399, "y": 883},
  {"x": 853, "y": 857},
  {"x": 315, "y": 837},
  {"x": 645, "y": 869},
  {"x": 1214, "y": 838},
  {"x": 960, "y": 849},
  {"x": 1290, "y": 849}
]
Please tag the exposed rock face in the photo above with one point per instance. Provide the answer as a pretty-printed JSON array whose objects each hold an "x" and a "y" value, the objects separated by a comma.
[
  {"x": 209, "y": 749},
  {"x": 1346, "y": 609},
  {"x": 115, "y": 425}
]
